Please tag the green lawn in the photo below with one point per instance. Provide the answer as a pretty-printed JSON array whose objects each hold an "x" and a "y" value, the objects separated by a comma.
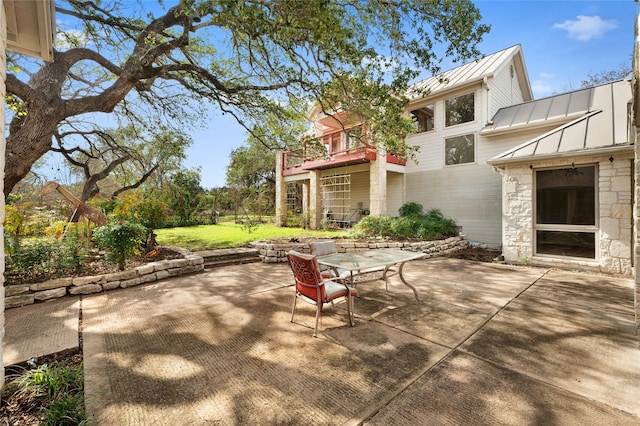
[{"x": 229, "y": 234}]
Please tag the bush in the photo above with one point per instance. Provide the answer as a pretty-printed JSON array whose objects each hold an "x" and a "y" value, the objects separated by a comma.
[
  {"x": 121, "y": 241},
  {"x": 136, "y": 208},
  {"x": 432, "y": 226},
  {"x": 45, "y": 258},
  {"x": 410, "y": 209}
]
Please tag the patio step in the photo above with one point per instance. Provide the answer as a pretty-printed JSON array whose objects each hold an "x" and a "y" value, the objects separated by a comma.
[{"x": 226, "y": 257}]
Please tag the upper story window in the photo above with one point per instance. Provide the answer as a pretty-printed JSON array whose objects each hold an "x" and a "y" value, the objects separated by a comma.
[
  {"x": 423, "y": 118},
  {"x": 459, "y": 149},
  {"x": 353, "y": 137},
  {"x": 460, "y": 109},
  {"x": 343, "y": 141}
]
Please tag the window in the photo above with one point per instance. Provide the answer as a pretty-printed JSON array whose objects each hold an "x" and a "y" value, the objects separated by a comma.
[
  {"x": 565, "y": 220},
  {"x": 423, "y": 118},
  {"x": 459, "y": 110},
  {"x": 353, "y": 137},
  {"x": 459, "y": 150}
]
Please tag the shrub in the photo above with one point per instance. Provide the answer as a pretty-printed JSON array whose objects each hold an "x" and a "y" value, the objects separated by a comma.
[
  {"x": 431, "y": 226},
  {"x": 138, "y": 209},
  {"x": 121, "y": 241},
  {"x": 45, "y": 258},
  {"x": 410, "y": 209}
]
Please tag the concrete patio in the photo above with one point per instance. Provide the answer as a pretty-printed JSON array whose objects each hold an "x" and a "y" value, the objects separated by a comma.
[{"x": 488, "y": 344}]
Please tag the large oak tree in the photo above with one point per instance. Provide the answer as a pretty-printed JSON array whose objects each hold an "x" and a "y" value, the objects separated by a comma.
[{"x": 153, "y": 66}]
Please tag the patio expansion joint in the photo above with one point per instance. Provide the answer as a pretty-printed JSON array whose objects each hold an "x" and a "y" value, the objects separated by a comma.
[{"x": 456, "y": 347}]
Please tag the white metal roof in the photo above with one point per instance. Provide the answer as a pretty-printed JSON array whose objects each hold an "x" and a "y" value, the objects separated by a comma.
[
  {"x": 475, "y": 71},
  {"x": 601, "y": 123}
]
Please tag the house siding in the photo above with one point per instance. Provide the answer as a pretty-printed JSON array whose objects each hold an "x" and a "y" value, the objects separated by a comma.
[
  {"x": 504, "y": 89},
  {"x": 359, "y": 190},
  {"x": 468, "y": 193},
  {"x": 395, "y": 193}
]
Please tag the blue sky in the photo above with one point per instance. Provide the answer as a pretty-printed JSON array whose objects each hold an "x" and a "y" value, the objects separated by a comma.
[{"x": 562, "y": 42}]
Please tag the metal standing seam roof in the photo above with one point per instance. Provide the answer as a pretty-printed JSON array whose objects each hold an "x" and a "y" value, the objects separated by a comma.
[
  {"x": 464, "y": 74},
  {"x": 551, "y": 108},
  {"x": 600, "y": 125}
]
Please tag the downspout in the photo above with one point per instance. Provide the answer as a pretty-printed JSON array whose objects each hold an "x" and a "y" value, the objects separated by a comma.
[{"x": 485, "y": 85}]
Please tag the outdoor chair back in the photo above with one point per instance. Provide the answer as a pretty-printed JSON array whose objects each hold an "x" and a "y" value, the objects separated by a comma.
[{"x": 312, "y": 286}]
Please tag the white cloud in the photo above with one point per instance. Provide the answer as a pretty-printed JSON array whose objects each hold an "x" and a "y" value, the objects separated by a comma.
[
  {"x": 587, "y": 27},
  {"x": 541, "y": 88}
]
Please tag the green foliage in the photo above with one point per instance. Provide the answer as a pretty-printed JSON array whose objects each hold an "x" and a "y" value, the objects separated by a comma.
[
  {"x": 62, "y": 386},
  {"x": 135, "y": 208},
  {"x": 184, "y": 194},
  {"x": 409, "y": 209},
  {"x": 41, "y": 259},
  {"x": 431, "y": 226},
  {"x": 229, "y": 234},
  {"x": 164, "y": 66},
  {"x": 121, "y": 241}
]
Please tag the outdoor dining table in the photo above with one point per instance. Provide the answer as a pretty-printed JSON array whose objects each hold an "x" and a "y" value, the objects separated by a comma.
[{"x": 362, "y": 263}]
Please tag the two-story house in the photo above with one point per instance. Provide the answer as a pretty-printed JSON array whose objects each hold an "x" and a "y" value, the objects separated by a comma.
[
  {"x": 450, "y": 174},
  {"x": 492, "y": 159}
]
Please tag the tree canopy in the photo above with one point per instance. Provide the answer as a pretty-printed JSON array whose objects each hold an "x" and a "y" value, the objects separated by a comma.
[{"x": 157, "y": 67}]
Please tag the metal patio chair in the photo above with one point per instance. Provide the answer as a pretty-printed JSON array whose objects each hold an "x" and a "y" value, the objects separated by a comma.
[{"x": 312, "y": 286}]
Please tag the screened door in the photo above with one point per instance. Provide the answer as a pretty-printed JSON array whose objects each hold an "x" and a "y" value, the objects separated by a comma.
[{"x": 566, "y": 212}]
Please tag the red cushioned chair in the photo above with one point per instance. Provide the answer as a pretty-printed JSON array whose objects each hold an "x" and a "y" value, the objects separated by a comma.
[{"x": 312, "y": 286}]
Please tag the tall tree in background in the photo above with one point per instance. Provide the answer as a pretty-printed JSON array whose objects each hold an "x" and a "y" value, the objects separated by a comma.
[
  {"x": 251, "y": 169},
  {"x": 125, "y": 156},
  {"x": 595, "y": 79},
  {"x": 153, "y": 66},
  {"x": 184, "y": 194}
]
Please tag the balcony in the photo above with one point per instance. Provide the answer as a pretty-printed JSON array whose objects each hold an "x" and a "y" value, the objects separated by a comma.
[{"x": 296, "y": 164}]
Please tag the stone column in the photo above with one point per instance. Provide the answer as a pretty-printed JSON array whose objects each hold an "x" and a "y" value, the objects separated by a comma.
[
  {"x": 281, "y": 191},
  {"x": 315, "y": 200},
  {"x": 378, "y": 184},
  {"x": 3, "y": 70},
  {"x": 306, "y": 217}
]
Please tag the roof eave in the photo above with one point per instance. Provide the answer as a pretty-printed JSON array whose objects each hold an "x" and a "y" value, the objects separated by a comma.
[{"x": 613, "y": 149}]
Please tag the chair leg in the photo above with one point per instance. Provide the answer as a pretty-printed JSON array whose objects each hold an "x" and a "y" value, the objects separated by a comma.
[
  {"x": 318, "y": 310},
  {"x": 293, "y": 310},
  {"x": 350, "y": 310}
]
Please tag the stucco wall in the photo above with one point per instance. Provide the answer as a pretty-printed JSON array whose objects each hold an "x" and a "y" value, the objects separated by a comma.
[{"x": 614, "y": 214}]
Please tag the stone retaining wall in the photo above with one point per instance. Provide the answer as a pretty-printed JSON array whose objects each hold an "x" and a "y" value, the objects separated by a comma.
[
  {"x": 27, "y": 294},
  {"x": 277, "y": 252}
]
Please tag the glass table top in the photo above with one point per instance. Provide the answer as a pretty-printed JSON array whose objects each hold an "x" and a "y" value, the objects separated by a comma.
[{"x": 368, "y": 259}]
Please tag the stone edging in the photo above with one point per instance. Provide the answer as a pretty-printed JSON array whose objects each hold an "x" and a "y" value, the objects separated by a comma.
[
  {"x": 277, "y": 253},
  {"x": 27, "y": 294}
]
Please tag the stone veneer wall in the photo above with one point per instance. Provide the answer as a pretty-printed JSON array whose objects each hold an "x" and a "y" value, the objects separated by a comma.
[
  {"x": 3, "y": 70},
  {"x": 27, "y": 294},
  {"x": 615, "y": 215},
  {"x": 277, "y": 252}
]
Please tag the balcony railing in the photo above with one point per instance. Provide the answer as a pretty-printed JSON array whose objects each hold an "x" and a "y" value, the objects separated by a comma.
[{"x": 295, "y": 164}]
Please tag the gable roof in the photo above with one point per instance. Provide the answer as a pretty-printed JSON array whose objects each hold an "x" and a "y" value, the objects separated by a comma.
[
  {"x": 600, "y": 126},
  {"x": 476, "y": 71}
]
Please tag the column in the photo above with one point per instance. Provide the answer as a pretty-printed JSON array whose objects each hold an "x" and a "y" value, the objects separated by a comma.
[
  {"x": 281, "y": 191},
  {"x": 315, "y": 200},
  {"x": 378, "y": 184}
]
